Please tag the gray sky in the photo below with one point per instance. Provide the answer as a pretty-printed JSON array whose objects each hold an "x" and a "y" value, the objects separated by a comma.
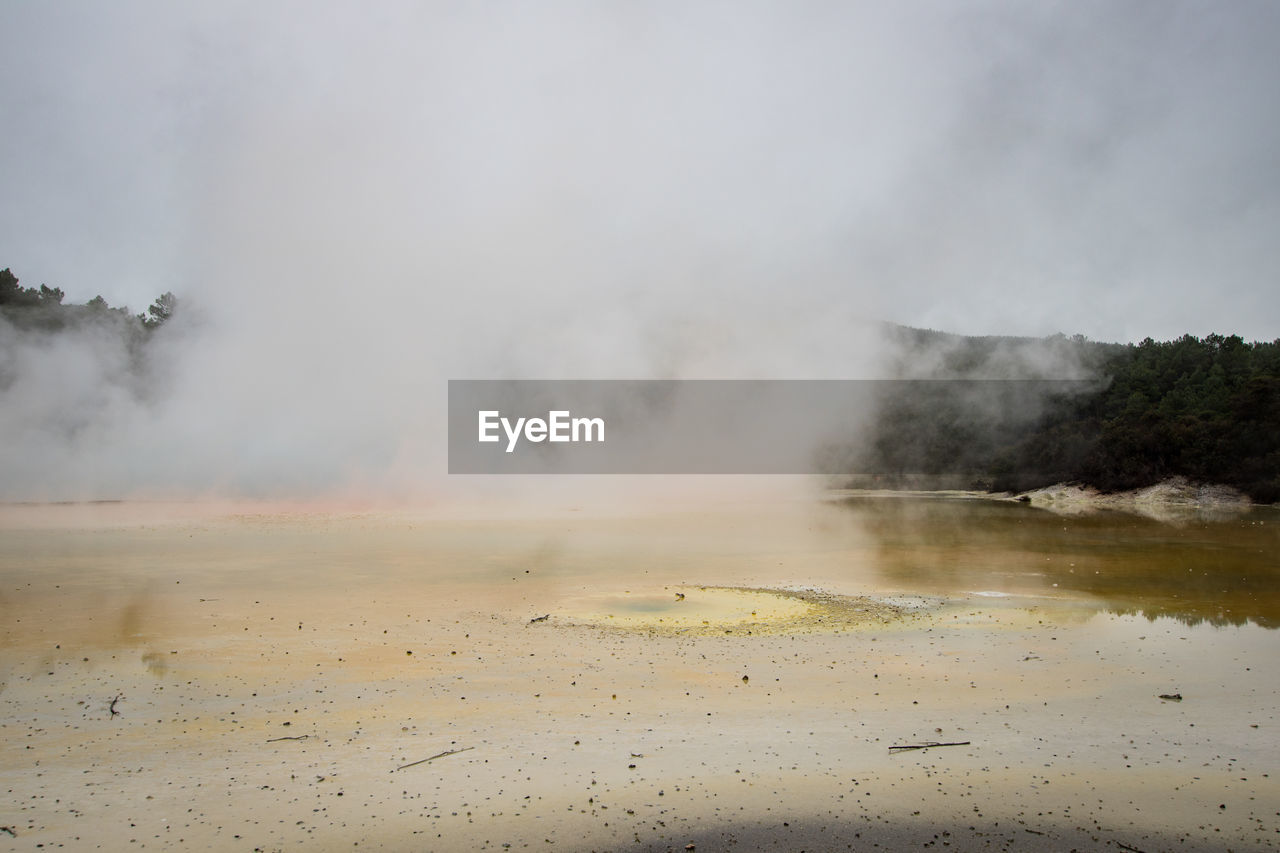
[
  {"x": 1110, "y": 168},
  {"x": 358, "y": 201}
]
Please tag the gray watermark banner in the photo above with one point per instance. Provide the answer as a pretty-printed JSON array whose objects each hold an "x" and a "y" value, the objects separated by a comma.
[{"x": 629, "y": 426}]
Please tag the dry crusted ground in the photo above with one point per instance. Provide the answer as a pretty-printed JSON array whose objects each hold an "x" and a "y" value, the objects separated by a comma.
[{"x": 278, "y": 684}]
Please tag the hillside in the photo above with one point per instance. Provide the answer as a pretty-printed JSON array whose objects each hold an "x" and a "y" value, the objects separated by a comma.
[{"x": 1207, "y": 409}]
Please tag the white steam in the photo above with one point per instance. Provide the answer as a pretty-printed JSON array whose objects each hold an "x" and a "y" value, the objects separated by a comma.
[{"x": 355, "y": 205}]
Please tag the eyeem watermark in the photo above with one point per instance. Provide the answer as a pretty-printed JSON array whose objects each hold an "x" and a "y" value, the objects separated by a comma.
[
  {"x": 712, "y": 426},
  {"x": 559, "y": 426}
]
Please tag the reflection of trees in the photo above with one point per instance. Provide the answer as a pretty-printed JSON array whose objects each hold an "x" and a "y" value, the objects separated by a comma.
[
  {"x": 1191, "y": 617},
  {"x": 1219, "y": 572}
]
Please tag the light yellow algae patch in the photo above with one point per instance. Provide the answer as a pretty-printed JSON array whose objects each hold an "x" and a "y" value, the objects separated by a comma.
[{"x": 727, "y": 610}]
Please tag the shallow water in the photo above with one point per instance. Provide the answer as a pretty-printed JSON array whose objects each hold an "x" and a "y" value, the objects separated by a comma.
[
  {"x": 1224, "y": 570},
  {"x": 275, "y": 666}
]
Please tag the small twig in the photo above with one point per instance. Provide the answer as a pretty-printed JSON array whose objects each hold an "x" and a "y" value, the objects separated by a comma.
[
  {"x": 927, "y": 745},
  {"x": 1124, "y": 846},
  {"x": 293, "y": 737},
  {"x": 9, "y": 829},
  {"x": 1033, "y": 831},
  {"x": 540, "y": 619},
  {"x": 433, "y": 758},
  {"x": 112, "y": 706}
]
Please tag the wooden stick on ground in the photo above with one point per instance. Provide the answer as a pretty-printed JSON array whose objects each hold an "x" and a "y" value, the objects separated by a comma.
[
  {"x": 294, "y": 737},
  {"x": 927, "y": 745},
  {"x": 112, "y": 706},
  {"x": 433, "y": 758}
]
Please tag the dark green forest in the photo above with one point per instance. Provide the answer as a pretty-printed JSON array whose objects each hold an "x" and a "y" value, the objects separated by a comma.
[{"x": 1207, "y": 409}]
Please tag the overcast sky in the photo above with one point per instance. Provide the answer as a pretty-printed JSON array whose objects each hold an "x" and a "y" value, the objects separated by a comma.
[
  {"x": 1110, "y": 168},
  {"x": 359, "y": 201}
]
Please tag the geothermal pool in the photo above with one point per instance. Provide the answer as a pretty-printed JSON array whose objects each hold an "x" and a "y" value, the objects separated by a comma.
[{"x": 730, "y": 674}]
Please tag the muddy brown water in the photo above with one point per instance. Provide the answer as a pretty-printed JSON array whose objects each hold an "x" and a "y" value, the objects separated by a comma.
[{"x": 275, "y": 669}]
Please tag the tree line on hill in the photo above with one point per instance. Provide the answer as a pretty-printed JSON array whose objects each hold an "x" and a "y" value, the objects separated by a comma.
[
  {"x": 1207, "y": 409},
  {"x": 1204, "y": 408},
  {"x": 43, "y": 309}
]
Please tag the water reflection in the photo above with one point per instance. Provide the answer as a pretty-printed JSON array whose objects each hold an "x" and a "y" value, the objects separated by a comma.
[{"x": 1217, "y": 571}]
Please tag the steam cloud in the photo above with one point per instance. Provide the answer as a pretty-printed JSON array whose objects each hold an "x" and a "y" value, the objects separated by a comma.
[{"x": 355, "y": 205}]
